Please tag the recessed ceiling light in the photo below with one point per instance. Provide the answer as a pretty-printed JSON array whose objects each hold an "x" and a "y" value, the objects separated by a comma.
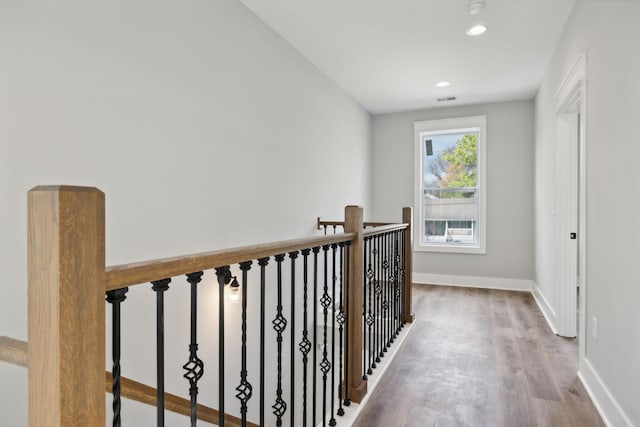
[
  {"x": 443, "y": 84},
  {"x": 476, "y": 30}
]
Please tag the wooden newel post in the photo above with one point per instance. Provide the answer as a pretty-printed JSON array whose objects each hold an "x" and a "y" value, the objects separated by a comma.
[
  {"x": 353, "y": 223},
  {"x": 66, "y": 261},
  {"x": 407, "y": 218}
]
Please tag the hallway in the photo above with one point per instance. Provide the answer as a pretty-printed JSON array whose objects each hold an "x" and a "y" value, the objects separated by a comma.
[{"x": 479, "y": 357}]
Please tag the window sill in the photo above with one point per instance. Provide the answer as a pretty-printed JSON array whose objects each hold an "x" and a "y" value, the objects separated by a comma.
[{"x": 455, "y": 249}]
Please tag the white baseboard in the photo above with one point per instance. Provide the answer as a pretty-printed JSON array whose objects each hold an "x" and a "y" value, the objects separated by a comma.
[
  {"x": 612, "y": 414},
  {"x": 547, "y": 311},
  {"x": 474, "y": 282}
]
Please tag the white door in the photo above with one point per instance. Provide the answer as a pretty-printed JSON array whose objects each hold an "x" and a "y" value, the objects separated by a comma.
[
  {"x": 570, "y": 203},
  {"x": 567, "y": 223}
]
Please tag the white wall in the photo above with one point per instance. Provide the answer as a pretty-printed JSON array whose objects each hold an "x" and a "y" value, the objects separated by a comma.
[
  {"x": 608, "y": 33},
  {"x": 509, "y": 189},
  {"x": 202, "y": 126}
]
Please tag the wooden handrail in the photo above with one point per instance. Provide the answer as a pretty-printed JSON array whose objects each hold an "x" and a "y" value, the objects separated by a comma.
[
  {"x": 384, "y": 229},
  {"x": 322, "y": 223},
  {"x": 143, "y": 393},
  {"x": 13, "y": 351},
  {"x": 375, "y": 224},
  {"x": 120, "y": 276}
]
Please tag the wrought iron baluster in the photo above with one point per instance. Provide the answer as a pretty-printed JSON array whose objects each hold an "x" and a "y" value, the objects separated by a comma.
[
  {"x": 315, "y": 331},
  {"x": 365, "y": 269},
  {"x": 340, "y": 319},
  {"x": 262, "y": 262},
  {"x": 279, "y": 325},
  {"x": 347, "y": 401},
  {"x": 385, "y": 292},
  {"x": 390, "y": 292},
  {"x": 394, "y": 287},
  {"x": 384, "y": 296},
  {"x": 293, "y": 256},
  {"x": 305, "y": 344},
  {"x": 385, "y": 303},
  {"x": 334, "y": 247},
  {"x": 159, "y": 287},
  {"x": 223, "y": 274},
  {"x": 401, "y": 281},
  {"x": 194, "y": 367},
  {"x": 403, "y": 273},
  {"x": 244, "y": 389},
  {"x": 390, "y": 299},
  {"x": 378, "y": 303},
  {"x": 370, "y": 319},
  {"x": 325, "y": 366},
  {"x": 115, "y": 298},
  {"x": 398, "y": 281}
]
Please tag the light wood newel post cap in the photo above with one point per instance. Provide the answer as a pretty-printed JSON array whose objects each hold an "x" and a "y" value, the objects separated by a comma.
[{"x": 65, "y": 188}]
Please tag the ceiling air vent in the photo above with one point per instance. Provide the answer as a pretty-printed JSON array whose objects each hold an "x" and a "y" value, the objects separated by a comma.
[{"x": 446, "y": 99}]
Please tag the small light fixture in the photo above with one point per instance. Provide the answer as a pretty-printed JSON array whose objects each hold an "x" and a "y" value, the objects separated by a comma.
[
  {"x": 476, "y": 30},
  {"x": 234, "y": 290},
  {"x": 443, "y": 84},
  {"x": 229, "y": 281}
]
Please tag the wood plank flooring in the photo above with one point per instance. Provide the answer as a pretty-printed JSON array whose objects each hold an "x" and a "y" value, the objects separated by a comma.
[{"x": 479, "y": 357}]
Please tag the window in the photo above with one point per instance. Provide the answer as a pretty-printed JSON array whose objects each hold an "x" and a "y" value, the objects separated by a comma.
[{"x": 450, "y": 190}]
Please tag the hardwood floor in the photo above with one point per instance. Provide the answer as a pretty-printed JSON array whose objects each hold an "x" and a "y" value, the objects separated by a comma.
[{"x": 479, "y": 357}]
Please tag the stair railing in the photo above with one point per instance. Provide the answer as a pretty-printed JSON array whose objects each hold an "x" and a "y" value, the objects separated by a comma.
[{"x": 68, "y": 281}]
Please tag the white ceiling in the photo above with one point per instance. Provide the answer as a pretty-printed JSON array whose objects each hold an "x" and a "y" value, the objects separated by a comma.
[{"x": 388, "y": 54}]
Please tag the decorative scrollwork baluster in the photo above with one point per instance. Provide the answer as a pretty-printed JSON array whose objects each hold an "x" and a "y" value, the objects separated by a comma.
[
  {"x": 364, "y": 308},
  {"x": 392, "y": 287},
  {"x": 244, "y": 389},
  {"x": 279, "y": 325},
  {"x": 305, "y": 344},
  {"x": 370, "y": 319},
  {"x": 262, "y": 262},
  {"x": 325, "y": 366},
  {"x": 403, "y": 277},
  {"x": 378, "y": 300},
  {"x": 398, "y": 282},
  {"x": 340, "y": 318},
  {"x": 195, "y": 366},
  {"x": 385, "y": 302},
  {"x": 334, "y": 247}
]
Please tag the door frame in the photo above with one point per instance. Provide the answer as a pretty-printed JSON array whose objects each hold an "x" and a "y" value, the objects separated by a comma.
[{"x": 570, "y": 211}]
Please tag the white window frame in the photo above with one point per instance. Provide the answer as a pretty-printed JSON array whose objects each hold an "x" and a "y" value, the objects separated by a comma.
[{"x": 445, "y": 126}]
